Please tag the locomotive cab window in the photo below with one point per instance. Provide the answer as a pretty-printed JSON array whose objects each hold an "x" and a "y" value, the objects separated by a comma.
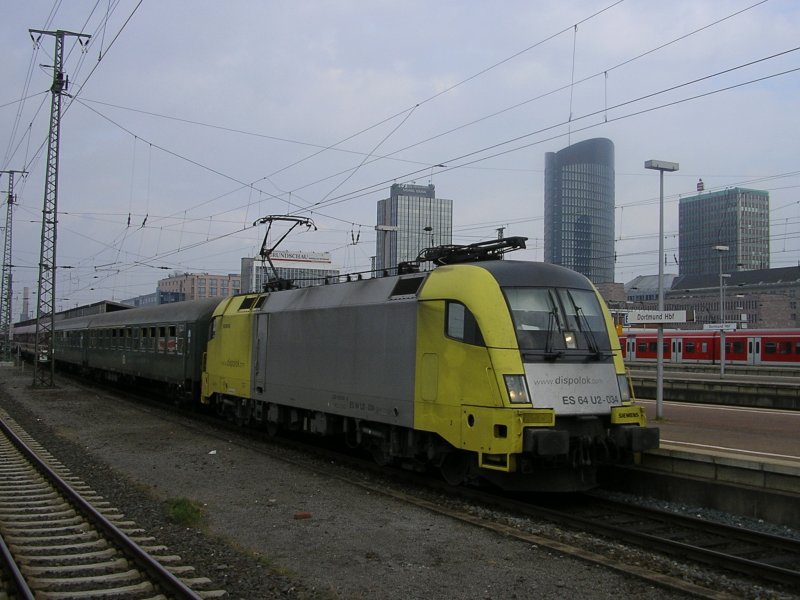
[
  {"x": 461, "y": 325},
  {"x": 551, "y": 322},
  {"x": 213, "y": 326}
]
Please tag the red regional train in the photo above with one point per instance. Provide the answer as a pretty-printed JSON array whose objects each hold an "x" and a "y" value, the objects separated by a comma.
[{"x": 773, "y": 347}]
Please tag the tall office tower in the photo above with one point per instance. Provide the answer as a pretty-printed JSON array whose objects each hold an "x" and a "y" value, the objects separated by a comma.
[
  {"x": 735, "y": 218},
  {"x": 411, "y": 219},
  {"x": 579, "y": 208}
]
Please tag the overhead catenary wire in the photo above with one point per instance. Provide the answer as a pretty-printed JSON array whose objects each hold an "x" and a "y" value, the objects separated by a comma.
[{"x": 348, "y": 220}]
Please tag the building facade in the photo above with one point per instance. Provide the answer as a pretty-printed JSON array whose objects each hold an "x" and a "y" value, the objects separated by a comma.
[
  {"x": 765, "y": 298},
  {"x": 737, "y": 218},
  {"x": 579, "y": 209},
  {"x": 304, "y": 269},
  {"x": 411, "y": 219},
  {"x": 195, "y": 286}
]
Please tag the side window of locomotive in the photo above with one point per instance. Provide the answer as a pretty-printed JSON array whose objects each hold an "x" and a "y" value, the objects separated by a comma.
[
  {"x": 461, "y": 325},
  {"x": 212, "y": 327}
]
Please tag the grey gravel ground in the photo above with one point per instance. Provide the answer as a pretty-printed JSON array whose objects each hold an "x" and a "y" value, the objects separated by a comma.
[{"x": 356, "y": 544}]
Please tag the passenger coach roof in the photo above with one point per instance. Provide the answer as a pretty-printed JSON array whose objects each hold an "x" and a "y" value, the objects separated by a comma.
[
  {"x": 175, "y": 312},
  {"x": 518, "y": 273}
]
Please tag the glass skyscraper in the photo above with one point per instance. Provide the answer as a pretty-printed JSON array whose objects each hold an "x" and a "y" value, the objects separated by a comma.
[
  {"x": 737, "y": 218},
  {"x": 579, "y": 209},
  {"x": 411, "y": 219}
]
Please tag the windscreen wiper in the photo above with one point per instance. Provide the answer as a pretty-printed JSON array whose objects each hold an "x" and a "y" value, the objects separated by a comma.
[
  {"x": 549, "y": 352},
  {"x": 583, "y": 323}
]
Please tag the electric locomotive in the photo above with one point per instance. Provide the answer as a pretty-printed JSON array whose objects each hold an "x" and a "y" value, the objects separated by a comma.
[{"x": 501, "y": 370}]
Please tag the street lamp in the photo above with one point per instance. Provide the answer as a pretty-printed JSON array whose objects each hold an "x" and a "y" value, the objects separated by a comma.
[
  {"x": 660, "y": 166},
  {"x": 722, "y": 276}
]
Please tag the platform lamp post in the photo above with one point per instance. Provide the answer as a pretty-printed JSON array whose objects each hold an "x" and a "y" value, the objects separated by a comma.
[
  {"x": 660, "y": 166},
  {"x": 722, "y": 277}
]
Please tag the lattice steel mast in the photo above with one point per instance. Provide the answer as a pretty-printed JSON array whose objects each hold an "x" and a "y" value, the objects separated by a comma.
[
  {"x": 5, "y": 277},
  {"x": 43, "y": 364}
]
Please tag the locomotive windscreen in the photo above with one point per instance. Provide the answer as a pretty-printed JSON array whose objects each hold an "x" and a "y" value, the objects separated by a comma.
[{"x": 556, "y": 322}]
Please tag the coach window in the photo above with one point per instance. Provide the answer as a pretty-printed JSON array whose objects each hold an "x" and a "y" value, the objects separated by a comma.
[
  {"x": 162, "y": 341},
  {"x": 738, "y": 347},
  {"x": 770, "y": 347},
  {"x": 689, "y": 347},
  {"x": 461, "y": 324},
  {"x": 152, "y": 343},
  {"x": 642, "y": 347},
  {"x": 172, "y": 343}
]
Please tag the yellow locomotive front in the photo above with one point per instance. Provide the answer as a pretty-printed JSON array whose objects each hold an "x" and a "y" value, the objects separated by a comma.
[{"x": 519, "y": 368}]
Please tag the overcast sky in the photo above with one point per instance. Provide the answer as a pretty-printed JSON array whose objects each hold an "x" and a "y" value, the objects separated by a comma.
[{"x": 205, "y": 116}]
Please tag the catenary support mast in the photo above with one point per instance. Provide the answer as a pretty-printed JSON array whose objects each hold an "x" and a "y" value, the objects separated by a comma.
[
  {"x": 44, "y": 363},
  {"x": 5, "y": 277}
]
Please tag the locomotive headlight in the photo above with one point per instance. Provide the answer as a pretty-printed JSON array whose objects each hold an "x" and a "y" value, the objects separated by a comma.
[
  {"x": 624, "y": 390},
  {"x": 517, "y": 389},
  {"x": 569, "y": 340}
]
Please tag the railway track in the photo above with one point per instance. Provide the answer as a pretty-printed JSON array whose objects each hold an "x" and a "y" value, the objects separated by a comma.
[
  {"x": 755, "y": 554},
  {"x": 60, "y": 540},
  {"x": 518, "y": 518}
]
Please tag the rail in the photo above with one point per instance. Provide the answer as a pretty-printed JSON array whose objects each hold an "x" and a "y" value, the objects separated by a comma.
[{"x": 157, "y": 574}]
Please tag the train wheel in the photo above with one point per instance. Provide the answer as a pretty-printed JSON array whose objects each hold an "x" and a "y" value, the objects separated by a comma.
[{"x": 455, "y": 467}]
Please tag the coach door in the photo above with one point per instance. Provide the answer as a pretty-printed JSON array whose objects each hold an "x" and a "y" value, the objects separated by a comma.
[
  {"x": 630, "y": 347},
  {"x": 677, "y": 349},
  {"x": 753, "y": 351}
]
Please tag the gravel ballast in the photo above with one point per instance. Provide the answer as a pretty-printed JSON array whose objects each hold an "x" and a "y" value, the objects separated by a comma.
[{"x": 277, "y": 530}]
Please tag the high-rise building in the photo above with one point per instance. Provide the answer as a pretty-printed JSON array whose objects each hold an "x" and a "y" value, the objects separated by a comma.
[
  {"x": 304, "y": 269},
  {"x": 737, "y": 218},
  {"x": 411, "y": 219},
  {"x": 579, "y": 208}
]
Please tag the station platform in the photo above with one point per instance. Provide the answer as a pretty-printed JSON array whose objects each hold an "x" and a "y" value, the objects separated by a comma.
[{"x": 740, "y": 460}]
